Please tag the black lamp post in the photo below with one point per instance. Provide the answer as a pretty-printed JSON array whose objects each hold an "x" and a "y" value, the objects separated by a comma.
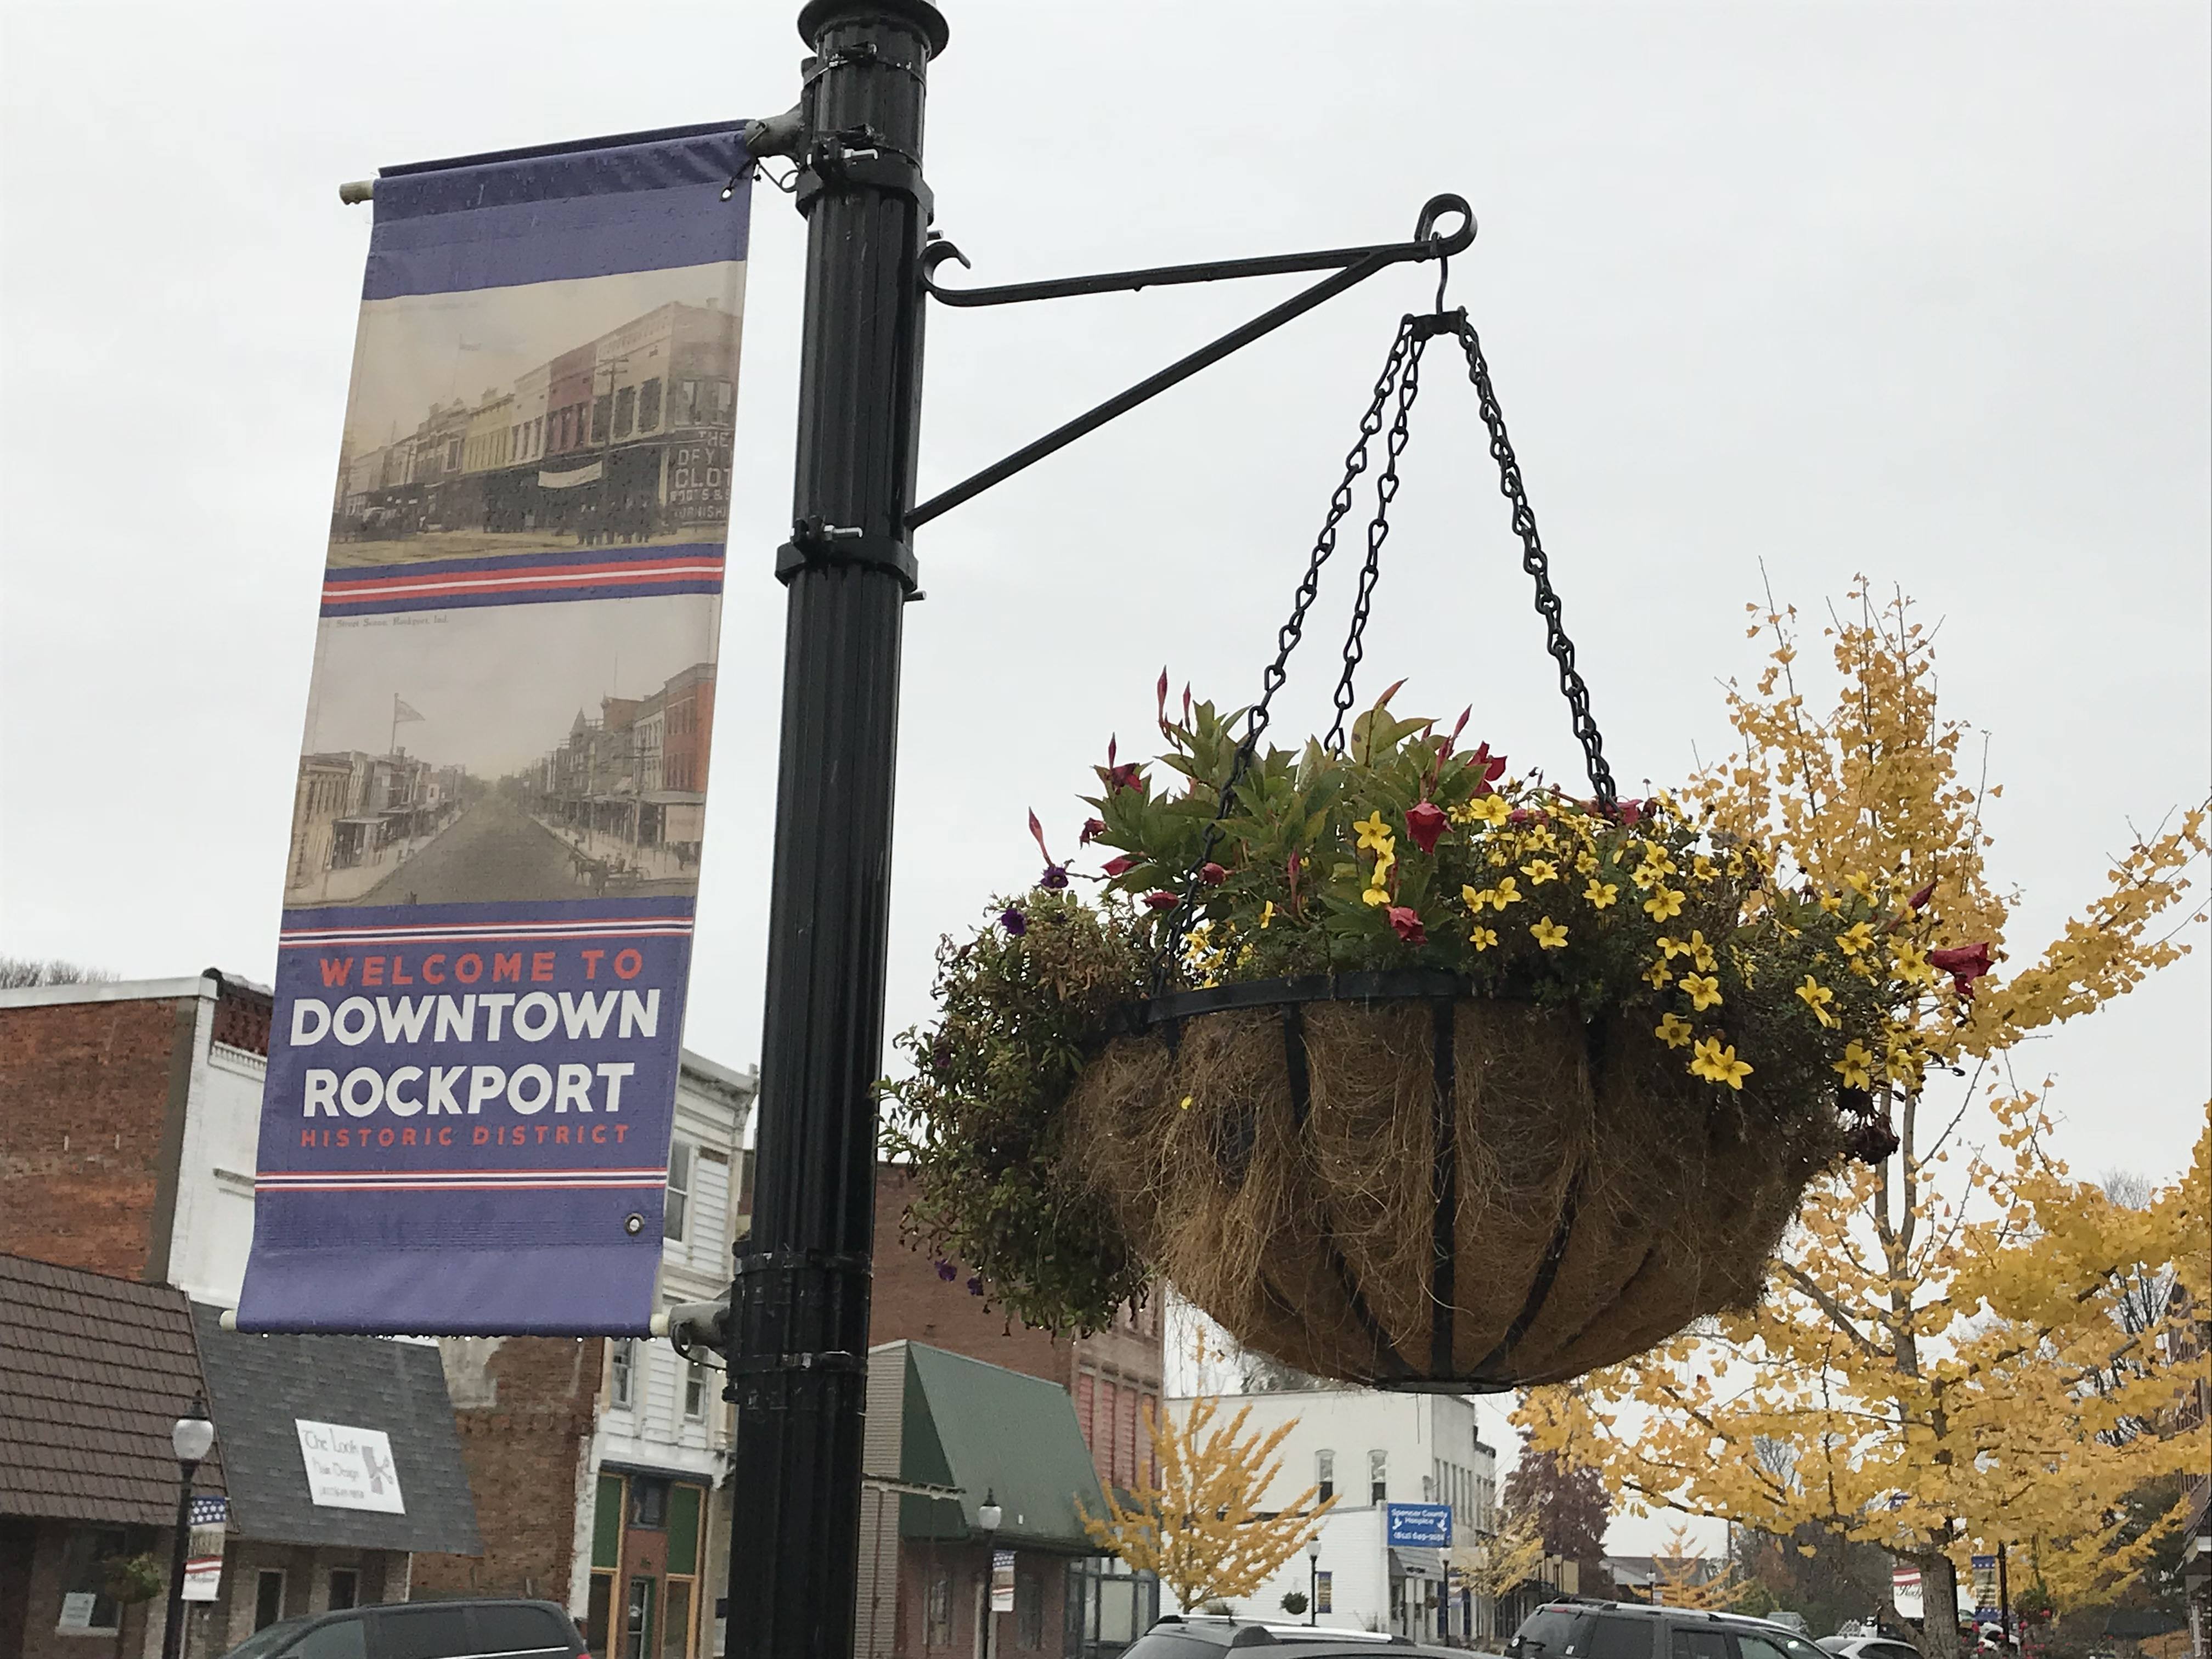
[
  {"x": 190, "y": 1437},
  {"x": 1313, "y": 1579}
]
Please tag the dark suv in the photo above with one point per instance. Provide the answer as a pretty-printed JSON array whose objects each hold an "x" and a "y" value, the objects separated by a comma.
[
  {"x": 1630, "y": 1630},
  {"x": 1201, "y": 1636},
  {"x": 422, "y": 1630}
]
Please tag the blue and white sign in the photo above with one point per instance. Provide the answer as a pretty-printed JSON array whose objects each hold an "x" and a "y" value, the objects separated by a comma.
[
  {"x": 487, "y": 921},
  {"x": 1423, "y": 1525}
]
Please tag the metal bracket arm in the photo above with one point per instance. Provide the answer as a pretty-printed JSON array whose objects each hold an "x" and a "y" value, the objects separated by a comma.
[{"x": 1352, "y": 266}]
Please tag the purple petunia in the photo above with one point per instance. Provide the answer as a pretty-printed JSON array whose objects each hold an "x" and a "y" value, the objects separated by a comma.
[
  {"x": 1055, "y": 878},
  {"x": 974, "y": 1285},
  {"x": 946, "y": 1270},
  {"x": 1013, "y": 921}
]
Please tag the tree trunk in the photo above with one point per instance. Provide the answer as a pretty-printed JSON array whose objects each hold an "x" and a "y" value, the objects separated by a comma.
[{"x": 1939, "y": 1606}]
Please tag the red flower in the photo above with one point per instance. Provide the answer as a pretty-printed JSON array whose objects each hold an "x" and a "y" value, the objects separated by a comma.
[
  {"x": 1211, "y": 874},
  {"x": 1486, "y": 767},
  {"x": 1919, "y": 900},
  {"x": 1162, "y": 900},
  {"x": 1123, "y": 776},
  {"x": 1160, "y": 697},
  {"x": 1092, "y": 829},
  {"x": 1964, "y": 964},
  {"x": 1406, "y": 924},
  {"x": 1424, "y": 823},
  {"x": 1122, "y": 863}
]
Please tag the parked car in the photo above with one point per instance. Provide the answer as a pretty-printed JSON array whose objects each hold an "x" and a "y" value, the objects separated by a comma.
[
  {"x": 1631, "y": 1630},
  {"x": 1867, "y": 1647},
  {"x": 482, "y": 1629},
  {"x": 1201, "y": 1636},
  {"x": 1790, "y": 1621}
]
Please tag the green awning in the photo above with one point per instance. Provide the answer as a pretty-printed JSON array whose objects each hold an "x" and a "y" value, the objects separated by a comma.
[{"x": 988, "y": 1430}]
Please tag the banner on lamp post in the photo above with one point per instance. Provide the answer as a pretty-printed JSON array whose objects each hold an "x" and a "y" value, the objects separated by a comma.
[
  {"x": 500, "y": 798},
  {"x": 209, "y": 1519}
]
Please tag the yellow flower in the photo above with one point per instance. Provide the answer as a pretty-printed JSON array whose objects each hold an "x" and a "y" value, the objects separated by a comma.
[
  {"x": 1700, "y": 952},
  {"x": 1539, "y": 870},
  {"x": 1674, "y": 947},
  {"x": 1904, "y": 1064},
  {"x": 1383, "y": 861},
  {"x": 1488, "y": 809},
  {"x": 1508, "y": 892},
  {"x": 1549, "y": 934},
  {"x": 1374, "y": 833},
  {"x": 1586, "y": 863},
  {"x": 1701, "y": 868},
  {"x": 1703, "y": 990},
  {"x": 1817, "y": 997},
  {"x": 1831, "y": 903},
  {"x": 1664, "y": 904},
  {"x": 1854, "y": 938},
  {"x": 1267, "y": 913},
  {"x": 1475, "y": 898},
  {"x": 1482, "y": 938},
  {"x": 1186, "y": 1103},
  {"x": 1860, "y": 886},
  {"x": 1377, "y": 896},
  {"x": 1659, "y": 973},
  {"x": 1600, "y": 894},
  {"x": 1911, "y": 963},
  {"x": 1673, "y": 1029},
  {"x": 1716, "y": 1064},
  {"x": 1647, "y": 876},
  {"x": 1855, "y": 1067},
  {"x": 1542, "y": 838}
]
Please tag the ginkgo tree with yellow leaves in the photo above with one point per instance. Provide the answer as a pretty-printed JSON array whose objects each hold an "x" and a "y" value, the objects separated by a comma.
[
  {"x": 1198, "y": 1524},
  {"x": 1937, "y": 1366}
]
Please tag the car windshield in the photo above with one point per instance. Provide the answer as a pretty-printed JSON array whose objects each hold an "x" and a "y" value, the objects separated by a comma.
[{"x": 267, "y": 1639}]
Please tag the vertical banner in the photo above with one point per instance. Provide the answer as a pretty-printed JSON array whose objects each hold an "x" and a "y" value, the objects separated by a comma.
[
  {"x": 209, "y": 1520},
  {"x": 501, "y": 792}
]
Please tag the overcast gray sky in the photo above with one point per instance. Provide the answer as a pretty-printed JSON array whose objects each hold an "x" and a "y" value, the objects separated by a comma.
[{"x": 1917, "y": 291}]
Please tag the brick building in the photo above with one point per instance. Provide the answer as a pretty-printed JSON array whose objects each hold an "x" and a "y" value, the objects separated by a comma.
[
  {"x": 1091, "y": 1605},
  {"x": 130, "y": 1118}
]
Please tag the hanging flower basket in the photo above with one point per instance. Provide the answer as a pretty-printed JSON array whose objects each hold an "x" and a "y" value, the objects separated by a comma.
[{"x": 1408, "y": 1072}]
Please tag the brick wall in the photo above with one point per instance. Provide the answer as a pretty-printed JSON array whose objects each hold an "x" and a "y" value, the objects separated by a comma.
[
  {"x": 1111, "y": 1374},
  {"x": 524, "y": 1409},
  {"x": 84, "y": 1103}
]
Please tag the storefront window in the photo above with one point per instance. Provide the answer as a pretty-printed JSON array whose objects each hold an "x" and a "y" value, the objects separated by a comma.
[
  {"x": 86, "y": 1607},
  {"x": 639, "y": 1623},
  {"x": 937, "y": 1631}
]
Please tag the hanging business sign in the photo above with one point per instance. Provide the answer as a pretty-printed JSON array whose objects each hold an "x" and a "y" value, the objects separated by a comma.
[
  {"x": 495, "y": 831},
  {"x": 209, "y": 1518},
  {"x": 1424, "y": 1525},
  {"x": 350, "y": 1469}
]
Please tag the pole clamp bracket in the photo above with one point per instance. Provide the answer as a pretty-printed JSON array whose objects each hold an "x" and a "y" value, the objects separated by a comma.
[
  {"x": 772, "y": 1364},
  {"x": 859, "y": 159},
  {"x": 816, "y": 542}
]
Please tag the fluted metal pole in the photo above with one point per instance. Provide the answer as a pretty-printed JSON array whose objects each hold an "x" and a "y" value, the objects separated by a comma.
[{"x": 798, "y": 1324}]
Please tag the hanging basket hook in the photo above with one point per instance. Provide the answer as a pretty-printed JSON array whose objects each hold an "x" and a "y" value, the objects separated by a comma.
[{"x": 1447, "y": 242}]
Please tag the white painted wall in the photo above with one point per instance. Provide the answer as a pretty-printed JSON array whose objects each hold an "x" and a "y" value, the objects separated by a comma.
[{"x": 213, "y": 1228}]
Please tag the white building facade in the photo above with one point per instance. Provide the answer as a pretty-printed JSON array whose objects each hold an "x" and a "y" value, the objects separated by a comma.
[{"x": 1371, "y": 1451}]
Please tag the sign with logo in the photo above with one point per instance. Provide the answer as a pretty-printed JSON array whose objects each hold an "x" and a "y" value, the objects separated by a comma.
[
  {"x": 1324, "y": 1593},
  {"x": 76, "y": 1610},
  {"x": 1002, "y": 1581},
  {"x": 203, "y": 1561},
  {"x": 350, "y": 1469},
  {"x": 1905, "y": 1591},
  {"x": 1425, "y": 1525},
  {"x": 494, "y": 853}
]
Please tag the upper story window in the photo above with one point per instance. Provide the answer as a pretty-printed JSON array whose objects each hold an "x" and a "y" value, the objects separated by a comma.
[
  {"x": 624, "y": 1385},
  {"x": 679, "y": 1190},
  {"x": 694, "y": 1392},
  {"x": 1324, "y": 1473},
  {"x": 1378, "y": 1477}
]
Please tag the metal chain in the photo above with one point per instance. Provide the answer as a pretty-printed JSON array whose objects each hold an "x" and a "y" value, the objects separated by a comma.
[
  {"x": 1286, "y": 640},
  {"x": 1533, "y": 561},
  {"x": 1378, "y": 532}
]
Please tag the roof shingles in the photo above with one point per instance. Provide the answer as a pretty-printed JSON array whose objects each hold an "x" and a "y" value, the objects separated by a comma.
[{"x": 94, "y": 1372}]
